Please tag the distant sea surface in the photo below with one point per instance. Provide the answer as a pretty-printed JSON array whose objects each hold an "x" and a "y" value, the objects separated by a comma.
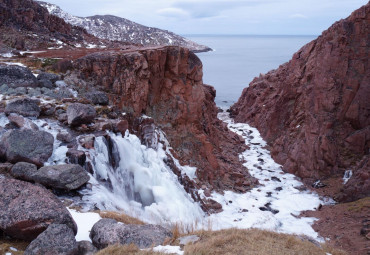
[{"x": 236, "y": 60}]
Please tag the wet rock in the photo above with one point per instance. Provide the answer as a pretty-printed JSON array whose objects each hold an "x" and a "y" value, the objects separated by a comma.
[
  {"x": 20, "y": 122},
  {"x": 267, "y": 207},
  {"x": 24, "y": 106},
  {"x": 212, "y": 206},
  {"x": 56, "y": 239},
  {"x": 86, "y": 248},
  {"x": 76, "y": 157},
  {"x": 65, "y": 177},
  {"x": 17, "y": 76},
  {"x": 28, "y": 209},
  {"x": 108, "y": 231},
  {"x": 80, "y": 114},
  {"x": 48, "y": 76},
  {"x": 97, "y": 97},
  {"x": 27, "y": 145},
  {"x": 23, "y": 171}
]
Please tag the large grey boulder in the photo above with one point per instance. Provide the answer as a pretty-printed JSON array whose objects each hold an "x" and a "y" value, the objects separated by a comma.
[
  {"x": 80, "y": 114},
  {"x": 17, "y": 76},
  {"x": 108, "y": 231},
  {"x": 28, "y": 209},
  {"x": 23, "y": 106},
  {"x": 56, "y": 239},
  {"x": 26, "y": 145},
  {"x": 66, "y": 177}
]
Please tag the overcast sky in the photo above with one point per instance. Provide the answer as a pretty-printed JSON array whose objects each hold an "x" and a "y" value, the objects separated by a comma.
[{"x": 287, "y": 17}]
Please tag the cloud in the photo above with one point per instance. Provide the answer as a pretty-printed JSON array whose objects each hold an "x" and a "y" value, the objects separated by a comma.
[
  {"x": 298, "y": 16},
  {"x": 173, "y": 12}
]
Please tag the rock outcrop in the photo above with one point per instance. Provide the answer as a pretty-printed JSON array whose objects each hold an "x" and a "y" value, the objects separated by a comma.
[
  {"x": 314, "y": 111},
  {"x": 27, "y": 209},
  {"x": 166, "y": 84},
  {"x": 108, "y": 232},
  {"x": 56, "y": 239}
]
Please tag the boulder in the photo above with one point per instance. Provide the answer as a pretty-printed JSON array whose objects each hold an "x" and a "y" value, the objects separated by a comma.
[
  {"x": 80, "y": 114},
  {"x": 108, "y": 231},
  {"x": 26, "y": 145},
  {"x": 48, "y": 76},
  {"x": 23, "y": 171},
  {"x": 65, "y": 137},
  {"x": 23, "y": 106},
  {"x": 66, "y": 177},
  {"x": 20, "y": 122},
  {"x": 28, "y": 209},
  {"x": 46, "y": 84},
  {"x": 56, "y": 239},
  {"x": 17, "y": 76},
  {"x": 97, "y": 97}
]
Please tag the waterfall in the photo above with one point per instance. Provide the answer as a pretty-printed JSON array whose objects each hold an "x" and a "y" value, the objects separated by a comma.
[{"x": 133, "y": 178}]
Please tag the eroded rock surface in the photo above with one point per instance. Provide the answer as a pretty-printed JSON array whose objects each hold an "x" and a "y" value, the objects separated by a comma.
[
  {"x": 23, "y": 106},
  {"x": 17, "y": 76},
  {"x": 108, "y": 231},
  {"x": 314, "y": 111},
  {"x": 28, "y": 209}
]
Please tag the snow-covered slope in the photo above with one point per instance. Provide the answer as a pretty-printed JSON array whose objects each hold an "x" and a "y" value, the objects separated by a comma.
[{"x": 119, "y": 29}]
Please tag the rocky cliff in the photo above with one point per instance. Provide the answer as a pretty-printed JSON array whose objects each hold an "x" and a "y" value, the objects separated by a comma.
[
  {"x": 166, "y": 84},
  {"x": 314, "y": 111},
  {"x": 119, "y": 29}
]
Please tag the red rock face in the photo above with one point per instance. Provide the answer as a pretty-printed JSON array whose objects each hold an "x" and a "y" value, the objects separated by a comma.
[
  {"x": 314, "y": 111},
  {"x": 166, "y": 84}
]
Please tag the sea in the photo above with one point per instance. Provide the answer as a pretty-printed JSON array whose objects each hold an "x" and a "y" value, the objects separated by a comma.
[{"x": 237, "y": 59}]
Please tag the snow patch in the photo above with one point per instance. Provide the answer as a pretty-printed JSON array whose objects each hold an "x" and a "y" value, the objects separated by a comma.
[{"x": 85, "y": 222}]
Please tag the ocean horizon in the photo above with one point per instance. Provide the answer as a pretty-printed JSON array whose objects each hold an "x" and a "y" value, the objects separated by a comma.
[{"x": 237, "y": 59}]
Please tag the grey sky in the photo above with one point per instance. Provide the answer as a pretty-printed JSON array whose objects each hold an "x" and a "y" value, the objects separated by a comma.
[{"x": 291, "y": 17}]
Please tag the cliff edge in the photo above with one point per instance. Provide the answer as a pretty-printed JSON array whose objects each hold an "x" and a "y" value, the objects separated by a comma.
[{"x": 314, "y": 111}]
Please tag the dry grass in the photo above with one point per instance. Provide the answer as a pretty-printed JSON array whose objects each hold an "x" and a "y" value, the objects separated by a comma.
[
  {"x": 359, "y": 205},
  {"x": 121, "y": 217},
  {"x": 253, "y": 242},
  {"x": 126, "y": 250},
  {"x": 6, "y": 244}
]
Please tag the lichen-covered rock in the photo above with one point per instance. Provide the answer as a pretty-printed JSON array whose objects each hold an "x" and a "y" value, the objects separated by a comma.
[
  {"x": 28, "y": 209},
  {"x": 66, "y": 177},
  {"x": 80, "y": 114},
  {"x": 26, "y": 145},
  {"x": 314, "y": 110},
  {"x": 23, "y": 106},
  {"x": 56, "y": 239},
  {"x": 108, "y": 232},
  {"x": 48, "y": 76},
  {"x": 17, "y": 76}
]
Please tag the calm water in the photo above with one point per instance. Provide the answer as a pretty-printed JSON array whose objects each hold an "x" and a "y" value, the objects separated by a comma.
[{"x": 238, "y": 59}]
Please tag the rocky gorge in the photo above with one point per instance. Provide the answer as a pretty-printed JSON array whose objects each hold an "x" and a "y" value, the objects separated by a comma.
[{"x": 134, "y": 129}]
